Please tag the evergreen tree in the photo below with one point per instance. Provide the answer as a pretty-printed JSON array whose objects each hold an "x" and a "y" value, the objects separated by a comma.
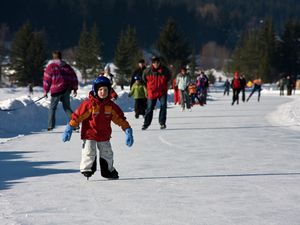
[
  {"x": 246, "y": 55},
  {"x": 267, "y": 47},
  {"x": 96, "y": 51},
  {"x": 88, "y": 55},
  {"x": 193, "y": 64},
  {"x": 127, "y": 54},
  {"x": 4, "y": 29},
  {"x": 289, "y": 49},
  {"x": 136, "y": 52},
  {"x": 28, "y": 56},
  {"x": 173, "y": 46},
  {"x": 83, "y": 53},
  {"x": 37, "y": 57},
  {"x": 255, "y": 55}
]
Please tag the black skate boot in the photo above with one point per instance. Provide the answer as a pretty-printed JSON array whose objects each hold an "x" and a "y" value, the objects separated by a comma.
[
  {"x": 163, "y": 126},
  {"x": 113, "y": 175},
  {"x": 87, "y": 174},
  {"x": 144, "y": 127},
  {"x": 105, "y": 172}
]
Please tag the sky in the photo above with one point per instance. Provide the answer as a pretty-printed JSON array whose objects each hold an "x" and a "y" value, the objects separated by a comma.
[{"x": 216, "y": 165}]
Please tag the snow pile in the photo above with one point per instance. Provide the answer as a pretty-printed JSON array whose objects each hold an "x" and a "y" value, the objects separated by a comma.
[
  {"x": 287, "y": 114},
  {"x": 22, "y": 114}
]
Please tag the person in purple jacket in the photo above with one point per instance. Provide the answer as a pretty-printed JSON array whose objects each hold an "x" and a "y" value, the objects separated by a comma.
[{"x": 59, "y": 79}]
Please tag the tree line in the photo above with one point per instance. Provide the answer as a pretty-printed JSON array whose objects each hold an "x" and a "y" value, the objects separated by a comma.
[
  {"x": 263, "y": 53},
  {"x": 260, "y": 52},
  {"x": 29, "y": 53}
]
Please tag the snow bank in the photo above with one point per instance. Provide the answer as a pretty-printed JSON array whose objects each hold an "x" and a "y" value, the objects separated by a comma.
[
  {"x": 287, "y": 114},
  {"x": 21, "y": 115}
]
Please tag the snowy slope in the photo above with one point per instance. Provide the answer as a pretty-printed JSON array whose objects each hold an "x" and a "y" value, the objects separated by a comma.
[{"x": 217, "y": 165}]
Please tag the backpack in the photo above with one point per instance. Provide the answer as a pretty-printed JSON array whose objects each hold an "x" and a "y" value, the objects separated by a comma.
[{"x": 236, "y": 84}]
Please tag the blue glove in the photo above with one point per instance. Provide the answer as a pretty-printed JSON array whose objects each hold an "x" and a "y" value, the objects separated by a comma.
[
  {"x": 129, "y": 137},
  {"x": 66, "y": 136}
]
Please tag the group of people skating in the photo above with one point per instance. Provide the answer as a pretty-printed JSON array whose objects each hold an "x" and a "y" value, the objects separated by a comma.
[
  {"x": 188, "y": 92},
  {"x": 148, "y": 85},
  {"x": 95, "y": 114},
  {"x": 238, "y": 85},
  {"x": 288, "y": 84}
]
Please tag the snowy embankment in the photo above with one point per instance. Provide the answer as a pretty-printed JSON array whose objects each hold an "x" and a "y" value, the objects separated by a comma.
[
  {"x": 287, "y": 114},
  {"x": 21, "y": 114}
]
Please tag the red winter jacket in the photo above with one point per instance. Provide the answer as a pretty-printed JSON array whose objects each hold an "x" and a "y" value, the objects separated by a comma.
[
  {"x": 59, "y": 77},
  {"x": 96, "y": 116},
  {"x": 156, "y": 81},
  {"x": 236, "y": 83}
]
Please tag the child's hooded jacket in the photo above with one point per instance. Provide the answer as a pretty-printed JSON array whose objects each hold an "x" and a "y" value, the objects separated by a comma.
[{"x": 96, "y": 115}]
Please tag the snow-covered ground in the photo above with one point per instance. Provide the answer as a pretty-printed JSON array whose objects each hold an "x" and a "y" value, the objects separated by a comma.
[{"x": 217, "y": 165}]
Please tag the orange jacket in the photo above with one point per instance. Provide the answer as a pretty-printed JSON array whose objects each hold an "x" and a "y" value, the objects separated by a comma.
[
  {"x": 257, "y": 81},
  {"x": 192, "y": 88},
  {"x": 96, "y": 116}
]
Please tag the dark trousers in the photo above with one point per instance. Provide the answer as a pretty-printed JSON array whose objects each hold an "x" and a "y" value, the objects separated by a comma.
[
  {"x": 235, "y": 96},
  {"x": 184, "y": 99},
  {"x": 65, "y": 99},
  {"x": 226, "y": 91},
  {"x": 281, "y": 91},
  {"x": 252, "y": 92},
  {"x": 193, "y": 98},
  {"x": 243, "y": 94},
  {"x": 162, "y": 112},
  {"x": 140, "y": 106}
]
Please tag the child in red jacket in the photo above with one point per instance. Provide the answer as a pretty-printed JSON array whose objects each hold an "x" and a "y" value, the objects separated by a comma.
[{"x": 96, "y": 114}]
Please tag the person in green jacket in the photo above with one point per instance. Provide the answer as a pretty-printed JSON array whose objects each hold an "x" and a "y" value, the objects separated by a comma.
[{"x": 139, "y": 93}]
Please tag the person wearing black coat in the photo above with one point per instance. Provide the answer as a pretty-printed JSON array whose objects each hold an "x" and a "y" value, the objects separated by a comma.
[
  {"x": 138, "y": 72},
  {"x": 243, "y": 86}
]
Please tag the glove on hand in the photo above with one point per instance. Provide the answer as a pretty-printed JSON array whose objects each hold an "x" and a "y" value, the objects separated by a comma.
[
  {"x": 66, "y": 136},
  {"x": 129, "y": 137}
]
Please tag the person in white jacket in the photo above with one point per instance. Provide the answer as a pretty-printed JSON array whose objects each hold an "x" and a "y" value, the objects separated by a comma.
[
  {"x": 110, "y": 76},
  {"x": 182, "y": 82}
]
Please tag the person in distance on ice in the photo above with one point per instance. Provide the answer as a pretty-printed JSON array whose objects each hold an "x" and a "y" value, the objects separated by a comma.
[
  {"x": 60, "y": 79},
  {"x": 138, "y": 72},
  {"x": 96, "y": 114},
  {"x": 106, "y": 73},
  {"x": 236, "y": 88},
  {"x": 226, "y": 87},
  {"x": 257, "y": 87},
  {"x": 139, "y": 93},
  {"x": 156, "y": 78},
  {"x": 243, "y": 83},
  {"x": 182, "y": 82}
]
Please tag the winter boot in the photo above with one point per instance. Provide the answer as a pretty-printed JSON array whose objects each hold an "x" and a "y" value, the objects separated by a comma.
[
  {"x": 105, "y": 172},
  {"x": 163, "y": 126},
  {"x": 144, "y": 127},
  {"x": 113, "y": 175}
]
